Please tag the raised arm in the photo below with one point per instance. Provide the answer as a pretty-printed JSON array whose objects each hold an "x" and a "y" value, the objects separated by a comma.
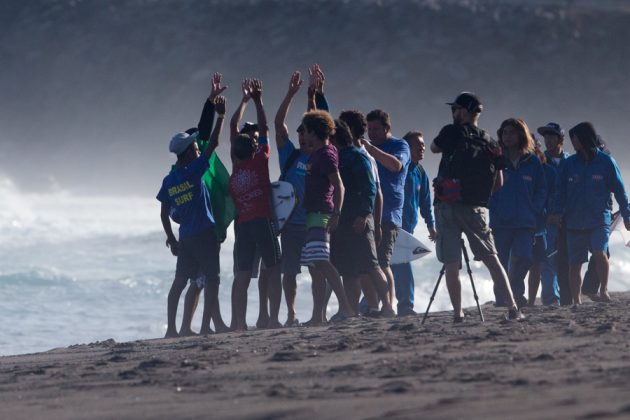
[
  {"x": 207, "y": 115},
  {"x": 256, "y": 94},
  {"x": 214, "y": 138},
  {"x": 240, "y": 110},
  {"x": 314, "y": 81},
  {"x": 390, "y": 162},
  {"x": 282, "y": 132}
]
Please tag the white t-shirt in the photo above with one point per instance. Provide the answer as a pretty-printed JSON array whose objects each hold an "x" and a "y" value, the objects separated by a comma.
[{"x": 373, "y": 162}]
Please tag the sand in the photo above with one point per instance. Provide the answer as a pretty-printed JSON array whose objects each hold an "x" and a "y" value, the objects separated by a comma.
[{"x": 559, "y": 363}]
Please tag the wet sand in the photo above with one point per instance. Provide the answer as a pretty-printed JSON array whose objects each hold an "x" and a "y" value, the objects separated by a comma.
[{"x": 559, "y": 363}]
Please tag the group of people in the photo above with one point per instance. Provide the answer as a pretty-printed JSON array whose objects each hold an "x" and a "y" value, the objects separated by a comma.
[{"x": 547, "y": 209}]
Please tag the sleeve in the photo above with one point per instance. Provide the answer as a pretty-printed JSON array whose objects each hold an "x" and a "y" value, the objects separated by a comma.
[
  {"x": 162, "y": 195},
  {"x": 263, "y": 140},
  {"x": 540, "y": 189},
  {"x": 285, "y": 152},
  {"x": 619, "y": 191},
  {"x": 403, "y": 154},
  {"x": 367, "y": 190},
  {"x": 199, "y": 166},
  {"x": 320, "y": 102},
  {"x": 444, "y": 138},
  {"x": 206, "y": 121},
  {"x": 426, "y": 206},
  {"x": 330, "y": 164},
  {"x": 560, "y": 193}
]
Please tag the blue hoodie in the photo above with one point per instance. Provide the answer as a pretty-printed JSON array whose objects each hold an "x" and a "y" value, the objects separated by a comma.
[
  {"x": 583, "y": 191},
  {"x": 521, "y": 200}
]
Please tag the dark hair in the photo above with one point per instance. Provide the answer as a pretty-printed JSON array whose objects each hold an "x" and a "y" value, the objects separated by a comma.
[
  {"x": 585, "y": 133},
  {"x": 356, "y": 121},
  {"x": 320, "y": 123},
  {"x": 411, "y": 134},
  {"x": 244, "y": 147},
  {"x": 380, "y": 115},
  {"x": 343, "y": 135},
  {"x": 526, "y": 142},
  {"x": 186, "y": 150}
]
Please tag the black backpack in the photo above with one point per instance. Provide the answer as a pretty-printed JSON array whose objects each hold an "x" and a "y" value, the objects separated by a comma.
[{"x": 472, "y": 165}]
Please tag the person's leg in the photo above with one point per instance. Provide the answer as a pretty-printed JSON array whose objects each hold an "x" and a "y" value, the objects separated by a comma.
[
  {"x": 239, "y": 299},
  {"x": 454, "y": 286},
  {"x": 500, "y": 279},
  {"x": 503, "y": 238},
  {"x": 533, "y": 282},
  {"x": 575, "y": 282},
  {"x": 289, "y": 285},
  {"x": 329, "y": 272},
  {"x": 550, "y": 294},
  {"x": 591, "y": 283},
  {"x": 179, "y": 283},
  {"x": 562, "y": 268},
  {"x": 384, "y": 254},
  {"x": 275, "y": 295},
  {"x": 371, "y": 296},
  {"x": 403, "y": 280},
  {"x": 602, "y": 265},
  {"x": 318, "y": 286},
  {"x": 381, "y": 288},
  {"x": 190, "y": 305},
  {"x": 578, "y": 243},
  {"x": 353, "y": 293},
  {"x": 210, "y": 304},
  {"x": 263, "y": 298}
]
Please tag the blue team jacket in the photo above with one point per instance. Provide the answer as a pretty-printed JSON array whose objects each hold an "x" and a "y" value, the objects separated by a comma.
[
  {"x": 417, "y": 195},
  {"x": 521, "y": 200},
  {"x": 583, "y": 191}
]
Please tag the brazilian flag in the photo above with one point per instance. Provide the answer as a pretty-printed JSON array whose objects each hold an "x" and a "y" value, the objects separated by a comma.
[{"x": 216, "y": 179}]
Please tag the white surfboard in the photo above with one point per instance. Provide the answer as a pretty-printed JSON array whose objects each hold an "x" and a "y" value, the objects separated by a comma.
[
  {"x": 408, "y": 248},
  {"x": 283, "y": 201}
]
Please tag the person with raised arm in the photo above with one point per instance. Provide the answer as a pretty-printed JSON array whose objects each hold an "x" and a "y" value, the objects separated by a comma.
[
  {"x": 184, "y": 191},
  {"x": 251, "y": 191}
]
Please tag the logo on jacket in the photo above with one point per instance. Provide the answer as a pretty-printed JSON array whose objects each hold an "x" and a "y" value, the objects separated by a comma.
[{"x": 598, "y": 177}]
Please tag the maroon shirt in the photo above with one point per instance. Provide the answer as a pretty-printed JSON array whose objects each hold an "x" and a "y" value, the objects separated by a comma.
[{"x": 319, "y": 190}]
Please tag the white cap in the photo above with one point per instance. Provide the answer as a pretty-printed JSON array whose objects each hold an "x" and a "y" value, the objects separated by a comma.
[{"x": 180, "y": 142}]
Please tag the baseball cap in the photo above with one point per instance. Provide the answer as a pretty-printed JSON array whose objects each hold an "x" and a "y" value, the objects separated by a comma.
[
  {"x": 551, "y": 127},
  {"x": 180, "y": 142},
  {"x": 469, "y": 101}
]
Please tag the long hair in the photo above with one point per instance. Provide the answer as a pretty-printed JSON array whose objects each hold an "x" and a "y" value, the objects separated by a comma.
[
  {"x": 586, "y": 135},
  {"x": 526, "y": 142}
]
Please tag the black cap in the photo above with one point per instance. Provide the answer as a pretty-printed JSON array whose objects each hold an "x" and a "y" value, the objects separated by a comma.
[
  {"x": 469, "y": 101},
  {"x": 553, "y": 128}
]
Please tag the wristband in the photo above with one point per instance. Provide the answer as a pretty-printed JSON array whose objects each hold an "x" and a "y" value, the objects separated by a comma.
[{"x": 221, "y": 116}]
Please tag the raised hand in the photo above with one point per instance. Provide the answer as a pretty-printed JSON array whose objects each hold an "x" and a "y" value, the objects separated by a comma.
[
  {"x": 219, "y": 105},
  {"x": 295, "y": 83},
  {"x": 320, "y": 78},
  {"x": 246, "y": 87},
  {"x": 256, "y": 88},
  {"x": 217, "y": 89},
  {"x": 313, "y": 79}
]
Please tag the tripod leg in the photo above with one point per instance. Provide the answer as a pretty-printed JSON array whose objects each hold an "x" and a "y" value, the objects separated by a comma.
[
  {"x": 471, "y": 280},
  {"x": 433, "y": 295}
]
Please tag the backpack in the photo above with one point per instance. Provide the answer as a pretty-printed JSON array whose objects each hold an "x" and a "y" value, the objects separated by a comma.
[{"x": 468, "y": 172}]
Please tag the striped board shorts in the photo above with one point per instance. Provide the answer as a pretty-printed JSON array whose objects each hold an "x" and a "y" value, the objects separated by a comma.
[{"x": 316, "y": 246}]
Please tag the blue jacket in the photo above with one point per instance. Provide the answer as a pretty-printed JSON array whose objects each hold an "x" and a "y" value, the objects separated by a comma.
[
  {"x": 551, "y": 162},
  {"x": 583, "y": 191},
  {"x": 521, "y": 200},
  {"x": 417, "y": 195},
  {"x": 550, "y": 178}
]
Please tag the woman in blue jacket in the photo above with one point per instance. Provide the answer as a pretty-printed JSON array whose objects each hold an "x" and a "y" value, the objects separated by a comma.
[
  {"x": 583, "y": 204},
  {"x": 517, "y": 205}
]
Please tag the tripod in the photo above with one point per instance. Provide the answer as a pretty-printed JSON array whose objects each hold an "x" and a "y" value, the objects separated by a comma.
[{"x": 465, "y": 252}]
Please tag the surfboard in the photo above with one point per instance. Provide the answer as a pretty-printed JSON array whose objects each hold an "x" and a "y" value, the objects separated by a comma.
[
  {"x": 408, "y": 248},
  {"x": 283, "y": 201}
]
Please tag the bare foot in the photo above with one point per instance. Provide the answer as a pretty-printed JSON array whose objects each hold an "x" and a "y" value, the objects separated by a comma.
[
  {"x": 263, "y": 321},
  {"x": 292, "y": 322},
  {"x": 187, "y": 333},
  {"x": 594, "y": 297},
  {"x": 171, "y": 334},
  {"x": 314, "y": 323},
  {"x": 222, "y": 328},
  {"x": 531, "y": 302},
  {"x": 274, "y": 324},
  {"x": 605, "y": 297}
]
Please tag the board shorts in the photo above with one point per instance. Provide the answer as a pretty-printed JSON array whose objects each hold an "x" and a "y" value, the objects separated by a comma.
[
  {"x": 256, "y": 234},
  {"x": 353, "y": 253},
  {"x": 292, "y": 239},
  {"x": 316, "y": 246},
  {"x": 453, "y": 219},
  {"x": 198, "y": 256},
  {"x": 579, "y": 242},
  {"x": 385, "y": 249}
]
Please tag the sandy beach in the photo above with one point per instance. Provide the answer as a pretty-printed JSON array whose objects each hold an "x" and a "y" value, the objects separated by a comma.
[{"x": 559, "y": 363}]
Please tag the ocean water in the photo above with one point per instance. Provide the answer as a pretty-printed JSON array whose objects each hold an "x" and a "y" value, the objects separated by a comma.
[{"x": 78, "y": 269}]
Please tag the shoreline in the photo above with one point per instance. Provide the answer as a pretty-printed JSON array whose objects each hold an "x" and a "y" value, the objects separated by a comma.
[{"x": 560, "y": 362}]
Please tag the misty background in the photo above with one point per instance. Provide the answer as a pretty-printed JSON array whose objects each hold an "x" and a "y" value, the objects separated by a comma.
[{"x": 92, "y": 91}]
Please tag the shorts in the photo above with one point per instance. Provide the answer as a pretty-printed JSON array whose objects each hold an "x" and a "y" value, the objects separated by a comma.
[
  {"x": 579, "y": 242},
  {"x": 253, "y": 234},
  {"x": 385, "y": 249},
  {"x": 316, "y": 246},
  {"x": 197, "y": 256},
  {"x": 453, "y": 219},
  {"x": 514, "y": 242},
  {"x": 257, "y": 265},
  {"x": 292, "y": 240},
  {"x": 353, "y": 253},
  {"x": 539, "y": 252}
]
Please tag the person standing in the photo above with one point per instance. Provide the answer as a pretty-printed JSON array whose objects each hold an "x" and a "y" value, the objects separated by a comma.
[
  {"x": 417, "y": 196},
  {"x": 469, "y": 171},
  {"x": 517, "y": 206},
  {"x": 392, "y": 157},
  {"x": 585, "y": 183},
  {"x": 558, "y": 264}
]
